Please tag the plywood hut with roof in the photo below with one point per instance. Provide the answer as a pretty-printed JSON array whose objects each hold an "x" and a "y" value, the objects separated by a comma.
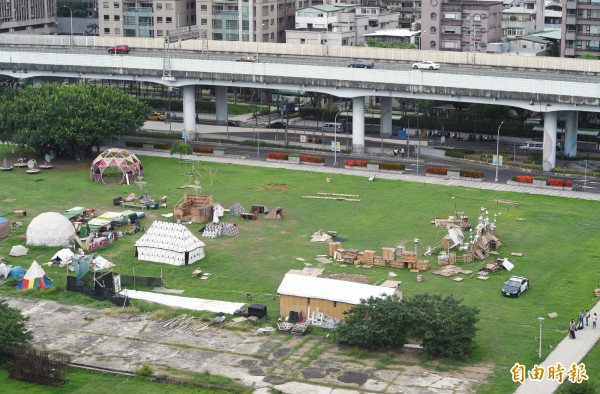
[
  {"x": 300, "y": 295},
  {"x": 193, "y": 208}
]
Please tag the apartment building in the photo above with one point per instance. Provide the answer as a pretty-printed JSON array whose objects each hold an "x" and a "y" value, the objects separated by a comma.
[
  {"x": 409, "y": 12},
  {"x": 150, "y": 18},
  {"x": 457, "y": 25},
  {"x": 581, "y": 28},
  {"x": 339, "y": 24},
  {"x": 28, "y": 16},
  {"x": 248, "y": 20}
]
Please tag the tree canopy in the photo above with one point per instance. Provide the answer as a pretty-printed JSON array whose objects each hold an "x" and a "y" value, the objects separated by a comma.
[
  {"x": 443, "y": 325},
  {"x": 12, "y": 329},
  {"x": 68, "y": 119}
]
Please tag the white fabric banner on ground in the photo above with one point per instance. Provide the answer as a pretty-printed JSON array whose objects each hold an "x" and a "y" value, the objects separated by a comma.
[{"x": 197, "y": 304}]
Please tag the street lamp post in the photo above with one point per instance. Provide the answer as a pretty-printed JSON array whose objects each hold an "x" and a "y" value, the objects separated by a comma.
[
  {"x": 585, "y": 175},
  {"x": 71, "y": 12},
  {"x": 498, "y": 152},
  {"x": 541, "y": 319},
  {"x": 335, "y": 163}
]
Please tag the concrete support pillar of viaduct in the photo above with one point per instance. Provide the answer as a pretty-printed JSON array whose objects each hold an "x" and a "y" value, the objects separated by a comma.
[
  {"x": 386, "y": 117},
  {"x": 221, "y": 104},
  {"x": 189, "y": 108},
  {"x": 549, "y": 153},
  {"x": 358, "y": 125},
  {"x": 570, "y": 148}
]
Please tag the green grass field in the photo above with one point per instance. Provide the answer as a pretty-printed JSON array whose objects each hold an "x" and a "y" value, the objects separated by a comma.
[{"x": 557, "y": 236}]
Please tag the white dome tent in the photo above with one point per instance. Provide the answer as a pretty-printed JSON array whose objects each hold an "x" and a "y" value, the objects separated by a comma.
[{"x": 50, "y": 229}]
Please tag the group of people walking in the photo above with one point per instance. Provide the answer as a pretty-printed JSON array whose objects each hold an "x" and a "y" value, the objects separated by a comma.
[{"x": 583, "y": 316}]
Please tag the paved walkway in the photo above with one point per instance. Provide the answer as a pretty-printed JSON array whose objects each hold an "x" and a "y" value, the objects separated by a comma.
[
  {"x": 382, "y": 175},
  {"x": 568, "y": 352}
]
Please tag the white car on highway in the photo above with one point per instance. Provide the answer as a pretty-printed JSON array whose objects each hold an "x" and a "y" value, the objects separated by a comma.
[{"x": 426, "y": 65}]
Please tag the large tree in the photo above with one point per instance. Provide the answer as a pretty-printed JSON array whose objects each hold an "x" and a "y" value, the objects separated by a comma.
[
  {"x": 374, "y": 323},
  {"x": 13, "y": 332},
  {"x": 444, "y": 326},
  {"x": 68, "y": 119}
]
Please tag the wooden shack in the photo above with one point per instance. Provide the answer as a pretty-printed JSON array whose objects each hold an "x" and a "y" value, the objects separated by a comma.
[
  {"x": 193, "y": 208},
  {"x": 299, "y": 294}
]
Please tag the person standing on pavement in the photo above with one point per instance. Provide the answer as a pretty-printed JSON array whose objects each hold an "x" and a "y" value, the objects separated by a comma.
[
  {"x": 572, "y": 329},
  {"x": 594, "y": 320},
  {"x": 580, "y": 320},
  {"x": 587, "y": 317}
]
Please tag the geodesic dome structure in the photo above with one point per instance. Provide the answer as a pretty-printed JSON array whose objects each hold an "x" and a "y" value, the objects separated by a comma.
[{"x": 116, "y": 161}]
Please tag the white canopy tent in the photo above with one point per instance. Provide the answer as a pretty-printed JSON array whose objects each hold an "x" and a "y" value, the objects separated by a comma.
[{"x": 169, "y": 243}]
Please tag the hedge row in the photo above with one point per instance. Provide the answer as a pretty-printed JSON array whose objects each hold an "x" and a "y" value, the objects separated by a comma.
[{"x": 277, "y": 155}]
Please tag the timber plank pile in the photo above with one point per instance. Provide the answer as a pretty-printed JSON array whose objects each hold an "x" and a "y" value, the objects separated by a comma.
[{"x": 397, "y": 257}]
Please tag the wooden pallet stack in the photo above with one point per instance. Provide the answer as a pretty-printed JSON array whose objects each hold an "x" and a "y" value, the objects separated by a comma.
[
  {"x": 388, "y": 254},
  {"x": 333, "y": 246},
  {"x": 380, "y": 261},
  {"x": 368, "y": 257},
  {"x": 408, "y": 258},
  {"x": 421, "y": 265},
  {"x": 465, "y": 258}
]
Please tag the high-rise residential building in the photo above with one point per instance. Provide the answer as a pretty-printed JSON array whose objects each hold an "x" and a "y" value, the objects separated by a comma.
[
  {"x": 458, "y": 25},
  {"x": 28, "y": 16},
  {"x": 581, "y": 29},
  {"x": 144, "y": 18},
  {"x": 409, "y": 12},
  {"x": 247, "y": 20}
]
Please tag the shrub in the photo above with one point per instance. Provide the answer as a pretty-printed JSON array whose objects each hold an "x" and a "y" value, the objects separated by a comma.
[
  {"x": 203, "y": 149},
  {"x": 312, "y": 159},
  {"x": 523, "y": 178},
  {"x": 355, "y": 163},
  {"x": 181, "y": 148},
  {"x": 134, "y": 144},
  {"x": 162, "y": 146},
  {"x": 145, "y": 370},
  {"x": 471, "y": 173},
  {"x": 277, "y": 155},
  {"x": 392, "y": 166},
  {"x": 559, "y": 182},
  {"x": 437, "y": 170}
]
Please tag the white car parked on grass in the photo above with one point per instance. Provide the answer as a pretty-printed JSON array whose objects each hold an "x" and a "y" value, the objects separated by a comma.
[{"x": 426, "y": 65}]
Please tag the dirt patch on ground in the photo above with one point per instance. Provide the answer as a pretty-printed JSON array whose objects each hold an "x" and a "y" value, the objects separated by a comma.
[
  {"x": 349, "y": 277},
  {"x": 276, "y": 186}
]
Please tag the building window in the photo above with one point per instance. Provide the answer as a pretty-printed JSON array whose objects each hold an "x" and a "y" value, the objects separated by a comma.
[
  {"x": 450, "y": 44},
  {"x": 116, "y": 5},
  {"x": 159, "y": 19},
  {"x": 203, "y": 21},
  {"x": 169, "y": 6},
  {"x": 302, "y": 41},
  {"x": 105, "y": 4},
  {"x": 158, "y": 7},
  {"x": 449, "y": 16},
  {"x": 107, "y": 30},
  {"x": 477, "y": 18},
  {"x": 203, "y": 7},
  {"x": 169, "y": 19},
  {"x": 433, "y": 16},
  {"x": 433, "y": 30},
  {"x": 159, "y": 33},
  {"x": 308, "y": 301},
  {"x": 431, "y": 44},
  {"x": 106, "y": 17},
  {"x": 117, "y": 18}
]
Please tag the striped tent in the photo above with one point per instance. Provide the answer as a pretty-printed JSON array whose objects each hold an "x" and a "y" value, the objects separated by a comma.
[{"x": 35, "y": 278}]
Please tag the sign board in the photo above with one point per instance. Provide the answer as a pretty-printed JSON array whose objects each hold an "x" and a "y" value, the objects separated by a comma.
[
  {"x": 117, "y": 283},
  {"x": 186, "y": 134},
  {"x": 335, "y": 146},
  {"x": 497, "y": 160}
]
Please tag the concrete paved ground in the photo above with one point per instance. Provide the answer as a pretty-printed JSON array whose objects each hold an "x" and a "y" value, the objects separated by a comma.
[{"x": 279, "y": 360}]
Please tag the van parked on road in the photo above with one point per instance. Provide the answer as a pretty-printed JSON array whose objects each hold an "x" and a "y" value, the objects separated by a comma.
[
  {"x": 332, "y": 127},
  {"x": 532, "y": 146}
]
